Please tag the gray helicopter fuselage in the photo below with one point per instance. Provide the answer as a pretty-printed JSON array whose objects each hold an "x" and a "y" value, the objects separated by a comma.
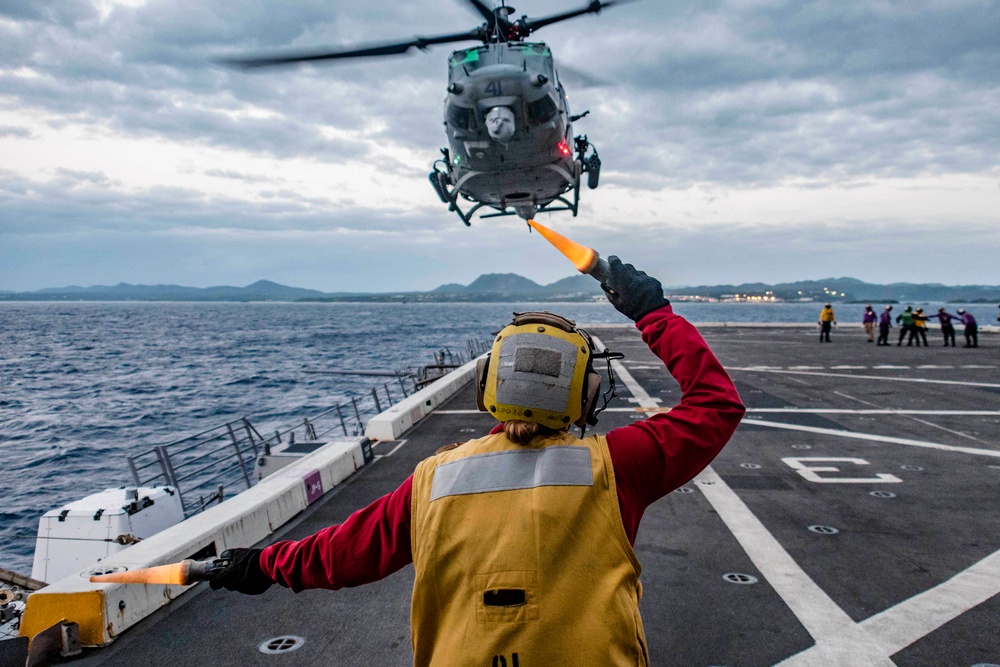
[{"x": 528, "y": 167}]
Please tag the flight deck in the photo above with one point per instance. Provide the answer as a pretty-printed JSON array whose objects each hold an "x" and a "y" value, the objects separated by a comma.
[{"x": 852, "y": 520}]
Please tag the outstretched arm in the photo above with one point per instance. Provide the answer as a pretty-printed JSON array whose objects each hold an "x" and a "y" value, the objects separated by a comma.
[{"x": 371, "y": 544}]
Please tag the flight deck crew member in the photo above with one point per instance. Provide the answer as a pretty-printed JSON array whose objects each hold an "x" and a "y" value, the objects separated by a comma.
[
  {"x": 920, "y": 325},
  {"x": 906, "y": 320},
  {"x": 947, "y": 328},
  {"x": 521, "y": 541},
  {"x": 869, "y": 321},
  {"x": 826, "y": 322},
  {"x": 971, "y": 328},
  {"x": 884, "y": 324}
]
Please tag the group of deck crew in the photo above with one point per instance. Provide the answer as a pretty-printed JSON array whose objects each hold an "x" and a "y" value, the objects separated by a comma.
[{"x": 913, "y": 325}]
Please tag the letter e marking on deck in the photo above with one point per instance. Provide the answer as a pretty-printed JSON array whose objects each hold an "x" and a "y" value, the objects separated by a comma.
[{"x": 809, "y": 472}]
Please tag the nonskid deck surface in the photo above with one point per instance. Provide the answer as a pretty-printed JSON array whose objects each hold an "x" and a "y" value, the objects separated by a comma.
[{"x": 900, "y": 568}]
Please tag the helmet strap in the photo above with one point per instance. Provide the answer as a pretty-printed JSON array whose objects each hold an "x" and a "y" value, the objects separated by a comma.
[{"x": 609, "y": 394}]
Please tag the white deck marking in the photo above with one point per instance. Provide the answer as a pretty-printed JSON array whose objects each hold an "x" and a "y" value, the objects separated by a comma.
[
  {"x": 752, "y": 369},
  {"x": 945, "y": 429},
  {"x": 393, "y": 450},
  {"x": 920, "y": 421},
  {"x": 822, "y": 618},
  {"x": 873, "y": 438},
  {"x": 933, "y": 366},
  {"x": 908, "y": 621},
  {"x": 900, "y": 625}
]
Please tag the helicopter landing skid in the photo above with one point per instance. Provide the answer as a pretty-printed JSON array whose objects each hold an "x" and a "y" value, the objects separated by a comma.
[{"x": 439, "y": 181}]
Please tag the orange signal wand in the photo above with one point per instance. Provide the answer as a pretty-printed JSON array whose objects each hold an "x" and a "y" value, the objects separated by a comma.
[
  {"x": 184, "y": 573},
  {"x": 586, "y": 260}
]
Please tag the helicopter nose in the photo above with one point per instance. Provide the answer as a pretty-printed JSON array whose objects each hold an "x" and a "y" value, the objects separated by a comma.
[{"x": 500, "y": 123}]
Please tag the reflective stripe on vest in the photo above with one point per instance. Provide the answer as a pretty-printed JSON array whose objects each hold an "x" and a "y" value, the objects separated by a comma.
[{"x": 510, "y": 470}]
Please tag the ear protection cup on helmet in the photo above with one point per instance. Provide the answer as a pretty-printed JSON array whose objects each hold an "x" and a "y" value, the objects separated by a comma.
[
  {"x": 590, "y": 399},
  {"x": 481, "y": 366}
]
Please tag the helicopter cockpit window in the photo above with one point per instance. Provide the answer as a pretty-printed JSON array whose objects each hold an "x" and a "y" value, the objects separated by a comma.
[
  {"x": 468, "y": 59},
  {"x": 542, "y": 110},
  {"x": 538, "y": 58},
  {"x": 460, "y": 117}
]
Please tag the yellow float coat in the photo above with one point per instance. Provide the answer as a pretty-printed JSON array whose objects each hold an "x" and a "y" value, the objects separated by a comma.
[{"x": 521, "y": 558}]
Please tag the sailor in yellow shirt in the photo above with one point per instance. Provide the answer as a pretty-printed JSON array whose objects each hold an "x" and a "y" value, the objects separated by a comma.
[
  {"x": 826, "y": 322},
  {"x": 920, "y": 326}
]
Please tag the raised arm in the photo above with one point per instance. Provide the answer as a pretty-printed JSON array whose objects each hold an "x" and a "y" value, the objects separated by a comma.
[{"x": 655, "y": 456}]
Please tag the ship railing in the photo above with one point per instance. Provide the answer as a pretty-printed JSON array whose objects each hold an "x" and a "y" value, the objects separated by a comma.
[{"x": 218, "y": 462}]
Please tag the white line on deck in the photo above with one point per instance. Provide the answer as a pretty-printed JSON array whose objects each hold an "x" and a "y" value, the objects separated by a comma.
[
  {"x": 921, "y": 421},
  {"x": 822, "y": 618},
  {"x": 754, "y": 369},
  {"x": 873, "y": 438},
  {"x": 393, "y": 450},
  {"x": 908, "y": 621},
  {"x": 900, "y": 625}
]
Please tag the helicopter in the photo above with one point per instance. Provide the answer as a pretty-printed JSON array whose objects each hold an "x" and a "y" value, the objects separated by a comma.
[{"x": 506, "y": 115}]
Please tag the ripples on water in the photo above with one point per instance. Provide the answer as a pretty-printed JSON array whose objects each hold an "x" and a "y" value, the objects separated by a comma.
[{"x": 84, "y": 384}]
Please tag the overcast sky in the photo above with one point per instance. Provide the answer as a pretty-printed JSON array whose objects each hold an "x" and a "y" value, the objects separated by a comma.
[{"x": 742, "y": 140}]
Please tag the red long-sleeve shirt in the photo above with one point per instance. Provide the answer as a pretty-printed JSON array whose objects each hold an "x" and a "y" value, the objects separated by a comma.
[{"x": 651, "y": 458}]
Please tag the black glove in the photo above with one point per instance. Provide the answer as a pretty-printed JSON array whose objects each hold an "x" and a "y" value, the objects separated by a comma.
[
  {"x": 243, "y": 574},
  {"x": 631, "y": 292}
]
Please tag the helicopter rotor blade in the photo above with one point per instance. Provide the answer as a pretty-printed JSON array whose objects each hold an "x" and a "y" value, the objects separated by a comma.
[
  {"x": 392, "y": 49},
  {"x": 594, "y": 7},
  {"x": 577, "y": 78}
]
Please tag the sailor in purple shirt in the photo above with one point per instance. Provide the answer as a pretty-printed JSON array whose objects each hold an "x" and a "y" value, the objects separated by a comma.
[
  {"x": 869, "y": 322},
  {"x": 884, "y": 324},
  {"x": 971, "y": 328},
  {"x": 947, "y": 329}
]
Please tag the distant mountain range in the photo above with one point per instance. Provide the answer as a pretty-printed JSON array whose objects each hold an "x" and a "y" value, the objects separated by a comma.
[
  {"x": 851, "y": 289},
  {"x": 512, "y": 287}
]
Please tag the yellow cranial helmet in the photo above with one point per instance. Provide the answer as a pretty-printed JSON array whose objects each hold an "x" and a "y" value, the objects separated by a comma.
[{"x": 539, "y": 370}]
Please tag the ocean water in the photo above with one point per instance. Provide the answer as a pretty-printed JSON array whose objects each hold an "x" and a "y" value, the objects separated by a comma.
[{"x": 83, "y": 384}]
